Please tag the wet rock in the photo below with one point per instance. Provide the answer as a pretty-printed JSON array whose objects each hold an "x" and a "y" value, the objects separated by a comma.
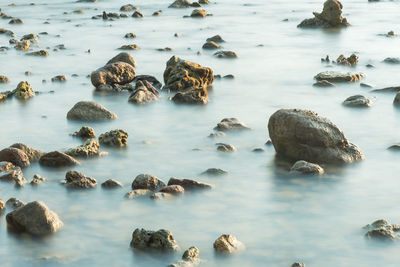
[
  {"x": 57, "y": 159},
  {"x": 40, "y": 53},
  {"x": 357, "y": 101},
  {"x": 137, "y": 14},
  {"x": 214, "y": 172},
  {"x": 217, "y": 134},
  {"x": 11, "y": 173},
  {"x": 387, "y": 89},
  {"x": 14, "y": 203},
  {"x": 392, "y": 60},
  {"x": 147, "y": 181},
  {"x": 138, "y": 193},
  {"x": 90, "y": 111},
  {"x": 33, "y": 154},
  {"x": 198, "y": 13},
  {"x": 31, "y": 37},
  {"x": 227, "y": 148},
  {"x": 85, "y": 132},
  {"x": 331, "y": 16},
  {"x": 227, "y": 244},
  {"x": 304, "y": 167},
  {"x": 161, "y": 240},
  {"x": 130, "y": 35},
  {"x": 111, "y": 183},
  {"x": 215, "y": 39},
  {"x": 16, "y": 21},
  {"x": 173, "y": 189},
  {"x": 225, "y": 54},
  {"x": 23, "y": 91},
  {"x": 75, "y": 179},
  {"x": 338, "y": 76},
  {"x": 211, "y": 45},
  {"x": 298, "y": 264},
  {"x": 117, "y": 138},
  {"x": 15, "y": 156},
  {"x": 128, "y": 7},
  {"x": 188, "y": 184},
  {"x": 181, "y": 74},
  {"x": 144, "y": 93},
  {"x": 351, "y": 61},
  {"x": 396, "y": 100},
  {"x": 123, "y": 57},
  {"x": 4, "y": 79},
  {"x": 34, "y": 218},
  {"x": 164, "y": 49},
  {"x": 22, "y": 45},
  {"x": 129, "y": 47},
  {"x": 258, "y": 150},
  {"x": 160, "y": 195},
  {"x": 89, "y": 149},
  {"x": 231, "y": 124},
  {"x": 59, "y": 78},
  {"x": 3, "y": 97},
  {"x": 151, "y": 79},
  {"x": 114, "y": 73},
  {"x": 180, "y": 4},
  {"x": 303, "y": 135},
  {"x": 192, "y": 95}
]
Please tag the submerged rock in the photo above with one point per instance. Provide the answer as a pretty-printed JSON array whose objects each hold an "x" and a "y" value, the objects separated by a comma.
[
  {"x": 23, "y": 91},
  {"x": 114, "y": 73},
  {"x": 225, "y": 54},
  {"x": 90, "y": 111},
  {"x": 337, "y": 76},
  {"x": 180, "y": 4},
  {"x": 144, "y": 93},
  {"x": 298, "y": 264},
  {"x": 227, "y": 244},
  {"x": 147, "y": 181},
  {"x": 392, "y": 60},
  {"x": 57, "y": 159},
  {"x": 89, "y": 149},
  {"x": 138, "y": 193},
  {"x": 85, "y": 132},
  {"x": 111, "y": 183},
  {"x": 117, "y": 138},
  {"x": 75, "y": 179},
  {"x": 303, "y": 135},
  {"x": 128, "y": 7},
  {"x": 214, "y": 172},
  {"x": 304, "y": 167},
  {"x": 123, "y": 57},
  {"x": 151, "y": 79},
  {"x": 129, "y": 47},
  {"x": 161, "y": 195},
  {"x": 41, "y": 53},
  {"x": 4, "y": 79},
  {"x": 33, "y": 154},
  {"x": 216, "y": 39},
  {"x": 173, "y": 189},
  {"x": 211, "y": 45},
  {"x": 59, "y": 78},
  {"x": 14, "y": 203},
  {"x": 188, "y": 184},
  {"x": 323, "y": 83},
  {"x": 22, "y": 45},
  {"x": 227, "y": 148},
  {"x": 11, "y": 173},
  {"x": 231, "y": 124},
  {"x": 137, "y": 14},
  {"x": 130, "y": 35},
  {"x": 357, "y": 101},
  {"x": 15, "y": 156},
  {"x": 161, "y": 240},
  {"x": 331, "y": 16}
]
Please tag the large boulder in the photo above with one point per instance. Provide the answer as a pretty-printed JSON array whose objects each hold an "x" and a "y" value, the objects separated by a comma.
[
  {"x": 90, "y": 111},
  {"x": 114, "y": 73},
  {"x": 303, "y": 135},
  {"x": 34, "y": 218},
  {"x": 147, "y": 181},
  {"x": 331, "y": 16},
  {"x": 15, "y": 156},
  {"x": 161, "y": 240},
  {"x": 123, "y": 57},
  {"x": 33, "y": 154},
  {"x": 57, "y": 159}
]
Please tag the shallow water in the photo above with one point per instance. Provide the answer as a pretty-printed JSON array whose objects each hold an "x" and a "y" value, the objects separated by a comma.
[{"x": 280, "y": 219}]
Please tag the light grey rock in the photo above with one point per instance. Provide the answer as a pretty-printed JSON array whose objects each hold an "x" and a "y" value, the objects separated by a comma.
[{"x": 77, "y": 180}]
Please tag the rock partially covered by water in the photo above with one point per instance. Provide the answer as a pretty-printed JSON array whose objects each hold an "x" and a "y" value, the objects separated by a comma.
[
  {"x": 11, "y": 173},
  {"x": 151, "y": 79},
  {"x": 4, "y": 79},
  {"x": 225, "y": 54},
  {"x": 14, "y": 203},
  {"x": 198, "y": 13},
  {"x": 383, "y": 231},
  {"x": 123, "y": 57},
  {"x": 231, "y": 124},
  {"x": 138, "y": 193},
  {"x": 188, "y": 184},
  {"x": 173, "y": 189},
  {"x": 128, "y": 7},
  {"x": 33, "y": 154},
  {"x": 180, "y": 4},
  {"x": 351, "y": 61},
  {"x": 2, "y": 206},
  {"x": 357, "y": 101},
  {"x": 211, "y": 45},
  {"x": 192, "y": 95},
  {"x": 144, "y": 93},
  {"x": 147, "y": 181},
  {"x": 24, "y": 91},
  {"x": 216, "y": 39},
  {"x": 89, "y": 149},
  {"x": 190, "y": 258},
  {"x": 114, "y": 73},
  {"x": 85, "y": 132},
  {"x": 304, "y": 167},
  {"x": 15, "y": 156},
  {"x": 111, "y": 183},
  {"x": 40, "y": 53},
  {"x": 338, "y": 76},
  {"x": 227, "y": 244},
  {"x": 227, "y": 148},
  {"x": 298, "y": 264},
  {"x": 331, "y": 16},
  {"x": 57, "y": 159},
  {"x": 34, "y": 218},
  {"x": 181, "y": 74},
  {"x": 161, "y": 240},
  {"x": 75, "y": 179},
  {"x": 117, "y": 138},
  {"x": 303, "y": 135},
  {"x": 214, "y": 172},
  {"x": 90, "y": 111}
]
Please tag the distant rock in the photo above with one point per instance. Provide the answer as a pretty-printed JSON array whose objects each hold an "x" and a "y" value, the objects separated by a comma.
[
  {"x": 129, "y": 47},
  {"x": 180, "y": 4},
  {"x": 227, "y": 148},
  {"x": 331, "y": 16},
  {"x": 225, "y": 54},
  {"x": 198, "y": 13},
  {"x": 216, "y": 39},
  {"x": 59, "y": 78},
  {"x": 128, "y": 7},
  {"x": 57, "y": 159},
  {"x": 392, "y": 60},
  {"x": 211, "y": 45},
  {"x": 118, "y": 138},
  {"x": 75, "y": 179},
  {"x": 161, "y": 240},
  {"x": 90, "y": 111},
  {"x": 351, "y": 61},
  {"x": 214, "y": 172},
  {"x": 111, "y": 183},
  {"x": 298, "y": 264},
  {"x": 40, "y": 53}
]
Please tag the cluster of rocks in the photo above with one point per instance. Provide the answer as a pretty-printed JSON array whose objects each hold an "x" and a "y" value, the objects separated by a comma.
[
  {"x": 24, "y": 91},
  {"x": 331, "y": 16},
  {"x": 350, "y": 61}
]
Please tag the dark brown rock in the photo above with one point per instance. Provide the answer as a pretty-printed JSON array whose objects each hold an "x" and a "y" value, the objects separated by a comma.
[{"x": 57, "y": 159}]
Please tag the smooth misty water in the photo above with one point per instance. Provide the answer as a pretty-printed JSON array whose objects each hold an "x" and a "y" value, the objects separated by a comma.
[{"x": 280, "y": 219}]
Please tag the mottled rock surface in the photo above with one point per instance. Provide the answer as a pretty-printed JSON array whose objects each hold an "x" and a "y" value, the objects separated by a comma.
[
  {"x": 161, "y": 240},
  {"x": 227, "y": 244},
  {"x": 85, "y": 132},
  {"x": 147, "y": 181},
  {"x": 188, "y": 184},
  {"x": 331, "y": 16},
  {"x": 89, "y": 149},
  {"x": 33, "y": 154},
  {"x": 90, "y": 111},
  {"x": 113, "y": 73},
  {"x": 15, "y": 156},
  {"x": 118, "y": 138},
  {"x": 123, "y": 57},
  {"x": 75, "y": 179},
  {"x": 57, "y": 159}
]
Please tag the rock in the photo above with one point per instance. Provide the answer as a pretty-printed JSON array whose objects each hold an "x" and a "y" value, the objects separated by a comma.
[
  {"x": 2, "y": 206},
  {"x": 15, "y": 21},
  {"x": 85, "y": 132},
  {"x": 191, "y": 95},
  {"x": 357, "y": 101},
  {"x": 198, "y": 13},
  {"x": 31, "y": 37},
  {"x": 382, "y": 234},
  {"x": 323, "y": 83},
  {"x": 34, "y": 218},
  {"x": 298, "y": 264},
  {"x": 15, "y": 156},
  {"x": 188, "y": 184},
  {"x": 33, "y": 154},
  {"x": 3, "y": 97},
  {"x": 117, "y": 138},
  {"x": 191, "y": 254},
  {"x": 162, "y": 240},
  {"x": 392, "y": 60},
  {"x": 225, "y": 54},
  {"x": 227, "y": 244},
  {"x": 89, "y": 149},
  {"x": 138, "y": 193},
  {"x": 231, "y": 124},
  {"x": 137, "y": 14},
  {"x": 304, "y": 167},
  {"x": 23, "y": 45},
  {"x": 227, "y": 148},
  {"x": 366, "y": 85},
  {"x": 160, "y": 195},
  {"x": 130, "y": 35},
  {"x": 111, "y": 183},
  {"x": 23, "y": 91},
  {"x": 129, "y": 47},
  {"x": 181, "y": 74},
  {"x": 4, "y": 79},
  {"x": 331, "y": 16},
  {"x": 214, "y": 172},
  {"x": 90, "y": 111},
  {"x": 180, "y": 4},
  {"x": 144, "y": 93},
  {"x": 37, "y": 180},
  {"x": 14, "y": 203},
  {"x": 6, "y": 32},
  {"x": 217, "y": 134},
  {"x": 157, "y": 13},
  {"x": 41, "y": 53},
  {"x": 396, "y": 100},
  {"x": 173, "y": 189},
  {"x": 11, "y": 173},
  {"x": 303, "y": 135},
  {"x": 211, "y": 45},
  {"x": 216, "y": 39},
  {"x": 128, "y": 7},
  {"x": 123, "y": 57},
  {"x": 351, "y": 61},
  {"x": 57, "y": 159},
  {"x": 151, "y": 79},
  {"x": 258, "y": 150},
  {"x": 59, "y": 78},
  {"x": 337, "y": 76},
  {"x": 75, "y": 179},
  {"x": 387, "y": 89},
  {"x": 147, "y": 181},
  {"x": 114, "y": 73}
]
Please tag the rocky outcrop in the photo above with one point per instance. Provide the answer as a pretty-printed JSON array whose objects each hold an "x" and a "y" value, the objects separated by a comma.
[
  {"x": 118, "y": 138},
  {"x": 32, "y": 154},
  {"x": 23, "y": 91},
  {"x": 147, "y": 181},
  {"x": 123, "y": 57},
  {"x": 331, "y": 16},
  {"x": 57, "y": 159},
  {"x": 114, "y": 73},
  {"x": 75, "y": 179},
  {"x": 304, "y": 167},
  {"x": 303, "y": 135},
  {"x": 89, "y": 149},
  {"x": 161, "y": 240},
  {"x": 90, "y": 111},
  {"x": 144, "y": 93},
  {"x": 188, "y": 184},
  {"x": 227, "y": 244},
  {"x": 85, "y": 132},
  {"x": 34, "y": 218},
  {"x": 15, "y": 156}
]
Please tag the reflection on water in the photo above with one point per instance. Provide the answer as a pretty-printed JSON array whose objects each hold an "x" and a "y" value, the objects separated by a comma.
[{"x": 280, "y": 219}]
